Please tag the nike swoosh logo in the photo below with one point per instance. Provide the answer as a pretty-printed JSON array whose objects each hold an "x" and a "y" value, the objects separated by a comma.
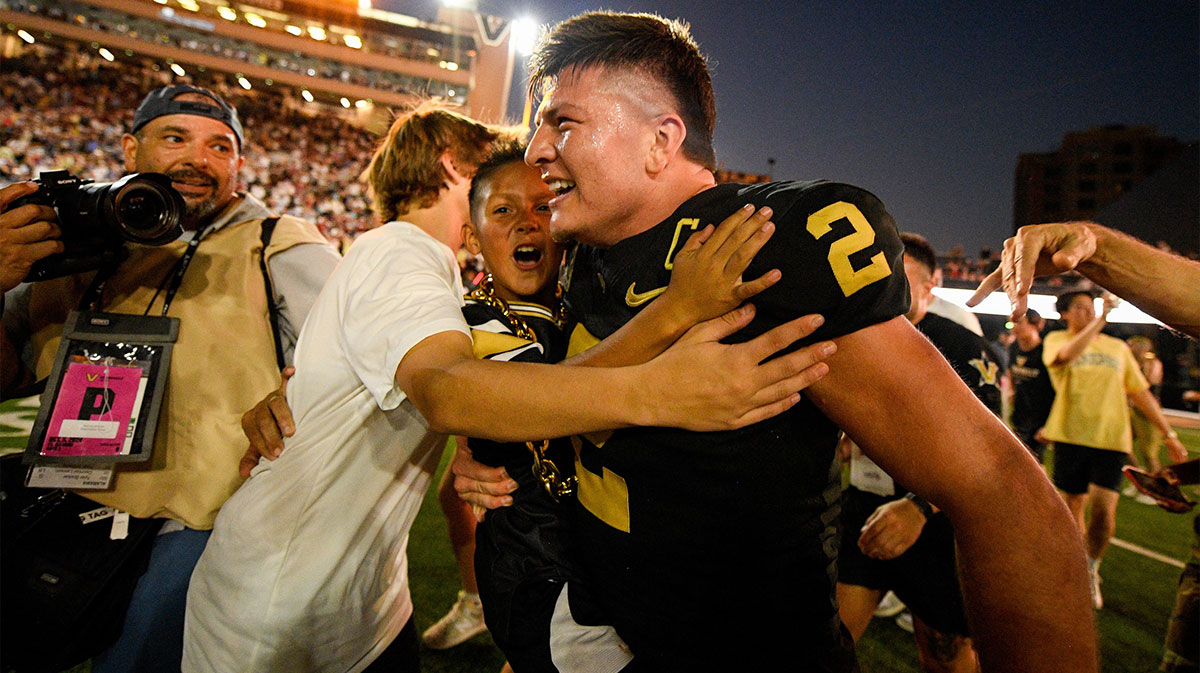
[{"x": 634, "y": 299}]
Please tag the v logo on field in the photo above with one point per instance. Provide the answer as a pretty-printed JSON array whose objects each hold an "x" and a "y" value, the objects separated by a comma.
[{"x": 634, "y": 299}]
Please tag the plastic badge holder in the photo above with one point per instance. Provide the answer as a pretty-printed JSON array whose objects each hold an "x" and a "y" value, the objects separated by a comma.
[{"x": 105, "y": 390}]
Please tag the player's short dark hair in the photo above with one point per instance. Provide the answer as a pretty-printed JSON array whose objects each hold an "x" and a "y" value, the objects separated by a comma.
[
  {"x": 657, "y": 47},
  {"x": 919, "y": 249},
  {"x": 1063, "y": 303},
  {"x": 1032, "y": 316},
  {"x": 504, "y": 152}
]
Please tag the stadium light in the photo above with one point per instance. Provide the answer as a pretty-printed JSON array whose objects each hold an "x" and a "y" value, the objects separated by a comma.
[
  {"x": 294, "y": 30},
  {"x": 245, "y": 83},
  {"x": 362, "y": 104},
  {"x": 459, "y": 4},
  {"x": 227, "y": 13},
  {"x": 161, "y": 2},
  {"x": 450, "y": 93},
  {"x": 25, "y": 36},
  {"x": 352, "y": 41},
  {"x": 255, "y": 20},
  {"x": 307, "y": 95},
  {"x": 178, "y": 69},
  {"x": 316, "y": 32},
  {"x": 190, "y": 5},
  {"x": 524, "y": 35},
  {"x": 364, "y": 4},
  {"x": 997, "y": 303},
  {"x": 107, "y": 55},
  {"x": 345, "y": 102}
]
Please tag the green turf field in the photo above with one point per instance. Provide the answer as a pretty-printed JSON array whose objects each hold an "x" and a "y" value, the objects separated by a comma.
[{"x": 1138, "y": 591}]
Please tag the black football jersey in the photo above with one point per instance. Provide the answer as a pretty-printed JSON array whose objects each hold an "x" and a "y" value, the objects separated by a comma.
[
  {"x": 494, "y": 338},
  {"x": 711, "y": 550},
  {"x": 969, "y": 354},
  {"x": 1033, "y": 394}
]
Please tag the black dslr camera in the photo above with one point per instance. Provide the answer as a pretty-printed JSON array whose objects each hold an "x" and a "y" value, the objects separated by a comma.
[{"x": 96, "y": 217}]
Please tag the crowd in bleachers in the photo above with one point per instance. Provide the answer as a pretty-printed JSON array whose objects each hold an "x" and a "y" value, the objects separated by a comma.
[
  {"x": 192, "y": 39},
  {"x": 70, "y": 112}
]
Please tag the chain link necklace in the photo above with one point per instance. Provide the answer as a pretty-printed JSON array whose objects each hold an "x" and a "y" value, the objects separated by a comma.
[{"x": 544, "y": 469}]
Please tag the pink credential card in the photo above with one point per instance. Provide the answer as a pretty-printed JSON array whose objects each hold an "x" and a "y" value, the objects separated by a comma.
[{"x": 95, "y": 411}]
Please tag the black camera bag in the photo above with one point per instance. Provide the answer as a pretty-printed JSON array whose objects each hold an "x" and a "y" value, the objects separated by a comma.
[{"x": 65, "y": 585}]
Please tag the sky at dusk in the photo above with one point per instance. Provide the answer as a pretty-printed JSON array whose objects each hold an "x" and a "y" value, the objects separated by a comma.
[{"x": 926, "y": 104}]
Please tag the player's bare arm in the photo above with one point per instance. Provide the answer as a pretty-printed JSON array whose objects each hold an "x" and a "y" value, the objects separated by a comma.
[
  {"x": 711, "y": 385},
  {"x": 1145, "y": 402},
  {"x": 1164, "y": 285},
  {"x": 1021, "y": 558}
]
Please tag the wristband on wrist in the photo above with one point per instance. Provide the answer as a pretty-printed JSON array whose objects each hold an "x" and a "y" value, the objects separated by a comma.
[{"x": 921, "y": 503}]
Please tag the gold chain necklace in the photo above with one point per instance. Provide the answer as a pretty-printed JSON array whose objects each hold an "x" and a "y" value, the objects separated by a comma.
[{"x": 544, "y": 469}]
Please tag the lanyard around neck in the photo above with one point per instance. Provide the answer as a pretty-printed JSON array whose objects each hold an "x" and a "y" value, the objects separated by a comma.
[{"x": 91, "y": 298}]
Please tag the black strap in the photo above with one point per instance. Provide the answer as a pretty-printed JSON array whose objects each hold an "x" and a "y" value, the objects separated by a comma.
[{"x": 268, "y": 228}]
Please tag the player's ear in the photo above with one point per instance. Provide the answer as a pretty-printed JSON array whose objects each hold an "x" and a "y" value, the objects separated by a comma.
[
  {"x": 470, "y": 239},
  {"x": 669, "y": 132},
  {"x": 937, "y": 277}
]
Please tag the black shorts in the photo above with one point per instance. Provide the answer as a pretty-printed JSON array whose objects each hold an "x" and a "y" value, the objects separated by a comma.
[
  {"x": 536, "y": 605},
  {"x": 1077, "y": 466},
  {"x": 925, "y": 577}
]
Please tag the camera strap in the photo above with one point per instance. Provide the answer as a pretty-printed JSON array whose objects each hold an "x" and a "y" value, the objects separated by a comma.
[{"x": 91, "y": 297}]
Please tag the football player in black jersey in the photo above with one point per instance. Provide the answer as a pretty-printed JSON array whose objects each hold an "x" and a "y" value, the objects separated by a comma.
[
  {"x": 893, "y": 540},
  {"x": 718, "y": 551}
]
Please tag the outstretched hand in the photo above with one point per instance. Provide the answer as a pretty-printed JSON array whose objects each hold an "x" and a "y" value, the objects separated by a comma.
[
  {"x": 266, "y": 425},
  {"x": 723, "y": 387},
  {"x": 706, "y": 274},
  {"x": 1037, "y": 250}
]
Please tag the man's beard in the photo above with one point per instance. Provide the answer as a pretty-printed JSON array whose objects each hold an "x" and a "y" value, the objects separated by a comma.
[{"x": 197, "y": 212}]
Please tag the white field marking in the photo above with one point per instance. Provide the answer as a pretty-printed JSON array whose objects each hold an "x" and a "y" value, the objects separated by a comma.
[{"x": 1146, "y": 552}]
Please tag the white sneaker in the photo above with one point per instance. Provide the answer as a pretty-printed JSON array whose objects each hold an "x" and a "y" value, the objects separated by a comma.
[
  {"x": 1144, "y": 499},
  {"x": 889, "y": 605},
  {"x": 1094, "y": 580},
  {"x": 462, "y": 623},
  {"x": 904, "y": 621}
]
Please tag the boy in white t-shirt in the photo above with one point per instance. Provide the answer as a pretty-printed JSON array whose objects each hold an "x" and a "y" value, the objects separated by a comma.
[{"x": 306, "y": 568}]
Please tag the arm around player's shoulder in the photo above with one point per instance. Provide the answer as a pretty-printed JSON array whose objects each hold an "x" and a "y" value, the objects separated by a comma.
[{"x": 839, "y": 252}]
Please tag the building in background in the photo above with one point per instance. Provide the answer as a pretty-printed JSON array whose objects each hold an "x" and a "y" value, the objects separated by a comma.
[
  {"x": 1089, "y": 171},
  {"x": 340, "y": 52}
]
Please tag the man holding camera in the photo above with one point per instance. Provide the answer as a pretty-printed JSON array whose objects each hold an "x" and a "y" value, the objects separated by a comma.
[{"x": 212, "y": 280}]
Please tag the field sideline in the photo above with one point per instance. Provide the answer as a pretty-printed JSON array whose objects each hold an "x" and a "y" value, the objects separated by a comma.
[{"x": 1138, "y": 590}]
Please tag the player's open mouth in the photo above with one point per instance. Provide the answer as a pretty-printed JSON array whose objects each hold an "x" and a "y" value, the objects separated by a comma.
[
  {"x": 527, "y": 257},
  {"x": 560, "y": 187}
]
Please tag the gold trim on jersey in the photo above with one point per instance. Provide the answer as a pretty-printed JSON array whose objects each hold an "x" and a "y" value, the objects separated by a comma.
[
  {"x": 485, "y": 344},
  {"x": 581, "y": 340},
  {"x": 604, "y": 495}
]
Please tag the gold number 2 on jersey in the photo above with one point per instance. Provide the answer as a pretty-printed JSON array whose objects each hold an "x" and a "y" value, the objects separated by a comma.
[{"x": 840, "y": 250}]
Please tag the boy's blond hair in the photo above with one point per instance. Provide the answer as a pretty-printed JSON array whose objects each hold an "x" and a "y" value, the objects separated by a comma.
[{"x": 406, "y": 171}]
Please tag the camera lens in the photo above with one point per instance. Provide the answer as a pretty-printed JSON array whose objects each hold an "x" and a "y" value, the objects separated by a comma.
[{"x": 147, "y": 209}]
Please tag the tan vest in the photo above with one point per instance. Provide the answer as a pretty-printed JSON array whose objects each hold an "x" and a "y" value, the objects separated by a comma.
[{"x": 223, "y": 363}]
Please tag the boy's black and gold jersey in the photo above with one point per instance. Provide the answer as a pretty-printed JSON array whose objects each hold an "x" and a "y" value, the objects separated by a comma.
[
  {"x": 717, "y": 549},
  {"x": 494, "y": 337}
]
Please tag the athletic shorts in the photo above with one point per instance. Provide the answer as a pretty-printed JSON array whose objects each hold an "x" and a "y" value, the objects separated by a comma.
[
  {"x": 925, "y": 577},
  {"x": 535, "y": 604},
  {"x": 1077, "y": 466}
]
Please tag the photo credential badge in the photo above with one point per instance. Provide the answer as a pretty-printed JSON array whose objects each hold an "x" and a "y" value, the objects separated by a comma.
[{"x": 94, "y": 412}]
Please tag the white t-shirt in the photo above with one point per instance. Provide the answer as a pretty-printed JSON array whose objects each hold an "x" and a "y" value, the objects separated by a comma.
[{"x": 306, "y": 568}]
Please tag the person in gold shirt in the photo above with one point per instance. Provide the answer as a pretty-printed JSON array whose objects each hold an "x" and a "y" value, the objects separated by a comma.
[{"x": 1093, "y": 375}]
